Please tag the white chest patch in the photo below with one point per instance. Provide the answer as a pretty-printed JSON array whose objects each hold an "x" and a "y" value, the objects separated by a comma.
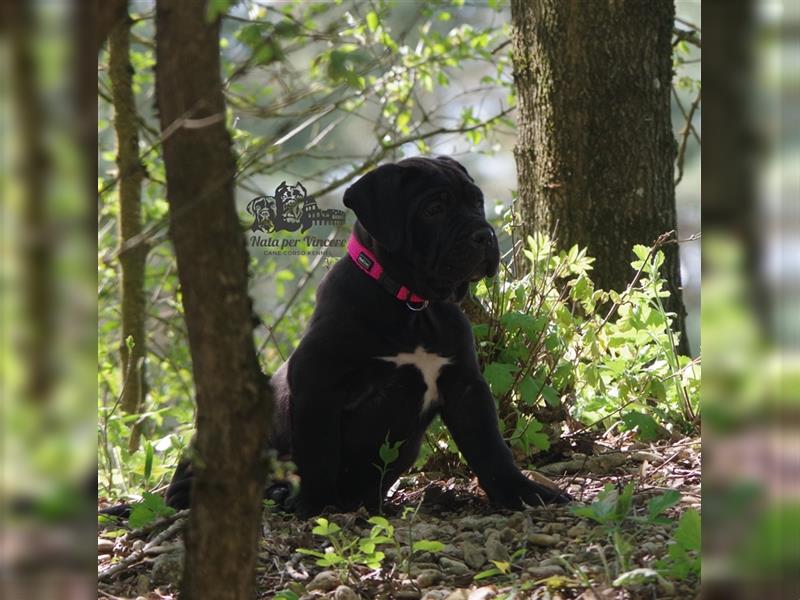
[{"x": 429, "y": 366}]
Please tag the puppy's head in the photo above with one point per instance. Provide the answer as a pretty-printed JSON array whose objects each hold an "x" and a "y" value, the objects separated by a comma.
[{"x": 426, "y": 223}]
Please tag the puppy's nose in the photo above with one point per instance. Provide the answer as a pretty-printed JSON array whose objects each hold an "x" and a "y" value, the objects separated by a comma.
[{"x": 482, "y": 236}]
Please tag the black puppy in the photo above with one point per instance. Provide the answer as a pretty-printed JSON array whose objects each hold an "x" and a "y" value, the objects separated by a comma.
[{"x": 387, "y": 348}]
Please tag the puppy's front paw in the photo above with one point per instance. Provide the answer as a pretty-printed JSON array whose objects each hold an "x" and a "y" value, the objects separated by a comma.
[{"x": 542, "y": 491}]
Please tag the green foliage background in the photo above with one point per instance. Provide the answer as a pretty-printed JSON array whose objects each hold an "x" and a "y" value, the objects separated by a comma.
[{"x": 320, "y": 93}]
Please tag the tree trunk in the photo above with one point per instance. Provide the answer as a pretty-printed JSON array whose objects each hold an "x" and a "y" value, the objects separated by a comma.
[
  {"x": 131, "y": 259},
  {"x": 233, "y": 398},
  {"x": 33, "y": 167},
  {"x": 109, "y": 14},
  {"x": 595, "y": 152}
]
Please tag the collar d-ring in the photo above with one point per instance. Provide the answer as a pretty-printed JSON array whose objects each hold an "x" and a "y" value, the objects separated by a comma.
[{"x": 419, "y": 307}]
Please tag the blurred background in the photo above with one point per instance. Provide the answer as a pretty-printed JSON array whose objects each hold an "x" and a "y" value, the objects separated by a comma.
[{"x": 750, "y": 266}]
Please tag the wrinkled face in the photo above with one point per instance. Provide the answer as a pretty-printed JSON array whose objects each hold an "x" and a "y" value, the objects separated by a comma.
[
  {"x": 291, "y": 197},
  {"x": 428, "y": 215}
]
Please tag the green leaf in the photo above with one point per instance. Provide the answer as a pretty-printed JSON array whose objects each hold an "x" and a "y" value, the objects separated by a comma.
[
  {"x": 487, "y": 573},
  {"x": 550, "y": 396},
  {"x": 148, "y": 460},
  {"x": 646, "y": 426},
  {"x": 379, "y": 521},
  {"x": 427, "y": 546},
  {"x": 148, "y": 510},
  {"x": 325, "y": 527},
  {"x": 403, "y": 119},
  {"x": 500, "y": 377},
  {"x": 687, "y": 533},
  {"x": 215, "y": 8},
  {"x": 624, "y": 502},
  {"x": 389, "y": 452},
  {"x": 659, "y": 504},
  {"x": 602, "y": 510},
  {"x": 372, "y": 20},
  {"x": 503, "y": 567},
  {"x": 286, "y": 595},
  {"x": 480, "y": 331},
  {"x": 529, "y": 389},
  {"x": 528, "y": 323},
  {"x": 330, "y": 559},
  {"x": 529, "y": 430},
  {"x": 641, "y": 252}
]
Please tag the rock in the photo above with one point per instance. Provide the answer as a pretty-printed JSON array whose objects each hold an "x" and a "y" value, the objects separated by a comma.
[
  {"x": 344, "y": 593},
  {"x": 542, "y": 572},
  {"x": 507, "y": 535},
  {"x": 142, "y": 585},
  {"x": 324, "y": 582},
  {"x": 105, "y": 546},
  {"x": 483, "y": 593},
  {"x": 543, "y": 539},
  {"x": 495, "y": 550},
  {"x": 451, "y": 550},
  {"x": 518, "y": 521},
  {"x": 473, "y": 555},
  {"x": 470, "y": 523},
  {"x": 428, "y": 577},
  {"x": 168, "y": 568},
  {"x": 419, "y": 567},
  {"x": 458, "y": 595},
  {"x": 578, "y": 530},
  {"x": 549, "y": 562},
  {"x": 650, "y": 548},
  {"x": 407, "y": 593},
  {"x": 391, "y": 553},
  {"x": 454, "y": 567},
  {"x": 436, "y": 595}
]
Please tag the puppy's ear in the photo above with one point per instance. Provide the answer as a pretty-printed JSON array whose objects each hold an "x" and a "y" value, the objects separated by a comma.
[
  {"x": 377, "y": 200},
  {"x": 452, "y": 163}
]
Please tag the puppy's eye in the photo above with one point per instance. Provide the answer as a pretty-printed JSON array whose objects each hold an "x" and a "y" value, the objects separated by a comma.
[{"x": 434, "y": 209}]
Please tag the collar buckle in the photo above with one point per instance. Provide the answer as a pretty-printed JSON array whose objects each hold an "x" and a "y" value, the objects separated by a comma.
[{"x": 420, "y": 306}]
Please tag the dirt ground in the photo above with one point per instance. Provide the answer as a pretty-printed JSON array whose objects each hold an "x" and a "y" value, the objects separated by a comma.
[{"x": 469, "y": 551}]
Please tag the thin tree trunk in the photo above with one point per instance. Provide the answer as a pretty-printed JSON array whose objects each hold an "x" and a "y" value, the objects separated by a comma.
[
  {"x": 109, "y": 14},
  {"x": 33, "y": 167},
  {"x": 233, "y": 398},
  {"x": 133, "y": 346},
  {"x": 595, "y": 152}
]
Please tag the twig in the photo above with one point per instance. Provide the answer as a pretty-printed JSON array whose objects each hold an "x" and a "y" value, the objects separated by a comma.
[
  {"x": 158, "y": 523},
  {"x": 688, "y": 24},
  {"x": 138, "y": 555},
  {"x": 688, "y": 128},
  {"x": 692, "y": 36}
]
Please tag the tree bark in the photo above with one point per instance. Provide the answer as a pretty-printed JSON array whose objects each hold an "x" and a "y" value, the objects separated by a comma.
[
  {"x": 131, "y": 259},
  {"x": 595, "y": 152},
  {"x": 33, "y": 168},
  {"x": 108, "y": 14},
  {"x": 233, "y": 398}
]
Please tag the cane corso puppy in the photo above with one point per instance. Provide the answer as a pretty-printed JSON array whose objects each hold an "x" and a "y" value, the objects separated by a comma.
[{"x": 388, "y": 348}]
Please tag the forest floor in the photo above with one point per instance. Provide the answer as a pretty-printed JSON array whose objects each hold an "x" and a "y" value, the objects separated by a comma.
[{"x": 465, "y": 550}]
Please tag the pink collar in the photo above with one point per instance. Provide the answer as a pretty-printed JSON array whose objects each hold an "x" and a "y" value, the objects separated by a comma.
[{"x": 366, "y": 261}]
